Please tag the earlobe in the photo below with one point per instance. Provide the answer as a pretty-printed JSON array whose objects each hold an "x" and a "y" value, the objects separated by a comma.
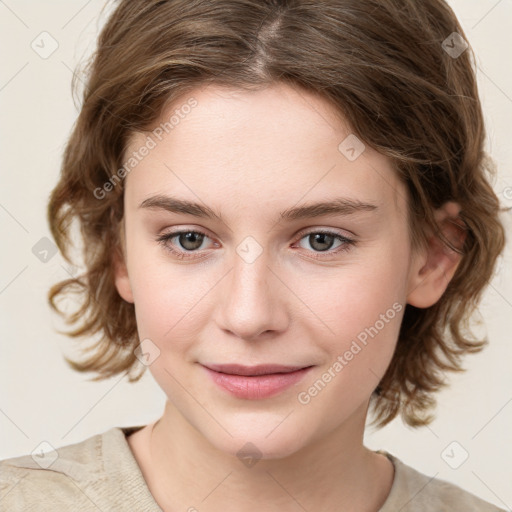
[{"x": 434, "y": 266}]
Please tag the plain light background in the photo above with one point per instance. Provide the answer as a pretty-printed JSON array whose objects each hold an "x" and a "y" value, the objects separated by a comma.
[{"x": 42, "y": 399}]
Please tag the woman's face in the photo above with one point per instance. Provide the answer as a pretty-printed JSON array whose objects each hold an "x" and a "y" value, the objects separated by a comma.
[{"x": 259, "y": 283}]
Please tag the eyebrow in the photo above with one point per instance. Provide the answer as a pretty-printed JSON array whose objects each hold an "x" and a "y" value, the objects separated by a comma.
[{"x": 341, "y": 206}]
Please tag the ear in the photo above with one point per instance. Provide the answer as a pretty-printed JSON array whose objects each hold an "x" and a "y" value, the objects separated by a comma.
[
  {"x": 122, "y": 280},
  {"x": 434, "y": 266}
]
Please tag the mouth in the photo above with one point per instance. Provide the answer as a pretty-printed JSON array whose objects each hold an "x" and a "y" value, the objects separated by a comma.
[
  {"x": 255, "y": 382},
  {"x": 253, "y": 371}
]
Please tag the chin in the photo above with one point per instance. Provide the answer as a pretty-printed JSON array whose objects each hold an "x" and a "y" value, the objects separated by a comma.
[{"x": 263, "y": 441}]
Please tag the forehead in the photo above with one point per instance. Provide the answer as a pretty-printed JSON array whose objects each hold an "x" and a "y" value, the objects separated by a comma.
[{"x": 278, "y": 144}]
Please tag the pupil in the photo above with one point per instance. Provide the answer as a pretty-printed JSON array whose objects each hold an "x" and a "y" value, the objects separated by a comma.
[
  {"x": 191, "y": 238},
  {"x": 321, "y": 238}
]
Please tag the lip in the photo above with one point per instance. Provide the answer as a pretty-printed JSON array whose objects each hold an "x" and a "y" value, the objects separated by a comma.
[
  {"x": 261, "y": 369},
  {"x": 255, "y": 382}
]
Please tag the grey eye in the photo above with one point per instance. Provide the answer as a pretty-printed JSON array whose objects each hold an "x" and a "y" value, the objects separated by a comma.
[
  {"x": 190, "y": 240},
  {"x": 321, "y": 242}
]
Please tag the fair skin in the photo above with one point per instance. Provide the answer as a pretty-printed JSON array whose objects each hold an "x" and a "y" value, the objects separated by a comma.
[{"x": 250, "y": 156}]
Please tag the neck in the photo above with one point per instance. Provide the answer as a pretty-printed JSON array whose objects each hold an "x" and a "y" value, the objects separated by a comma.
[{"x": 335, "y": 472}]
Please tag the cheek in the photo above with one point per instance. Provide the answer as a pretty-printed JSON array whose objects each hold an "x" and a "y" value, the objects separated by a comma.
[
  {"x": 360, "y": 309},
  {"x": 166, "y": 309},
  {"x": 363, "y": 311},
  {"x": 350, "y": 298},
  {"x": 171, "y": 300}
]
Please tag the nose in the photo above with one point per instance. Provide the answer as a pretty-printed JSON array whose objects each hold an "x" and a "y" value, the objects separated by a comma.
[{"x": 252, "y": 302}]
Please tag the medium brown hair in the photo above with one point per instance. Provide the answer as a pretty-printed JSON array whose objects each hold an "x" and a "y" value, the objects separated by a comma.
[{"x": 384, "y": 68}]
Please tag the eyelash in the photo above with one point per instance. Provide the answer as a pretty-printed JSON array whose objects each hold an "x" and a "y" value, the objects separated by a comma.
[{"x": 166, "y": 237}]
